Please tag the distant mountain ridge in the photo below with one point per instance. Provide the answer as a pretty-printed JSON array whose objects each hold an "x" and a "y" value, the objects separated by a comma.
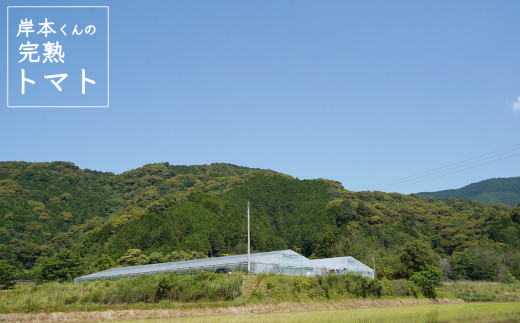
[{"x": 494, "y": 190}]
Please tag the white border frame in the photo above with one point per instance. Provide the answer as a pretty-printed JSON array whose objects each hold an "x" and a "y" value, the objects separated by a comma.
[{"x": 62, "y": 106}]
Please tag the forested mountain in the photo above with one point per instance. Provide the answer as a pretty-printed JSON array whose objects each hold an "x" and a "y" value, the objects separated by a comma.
[
  {"x": 161, "y": 212},
  {"x": 495, "y": 190}
]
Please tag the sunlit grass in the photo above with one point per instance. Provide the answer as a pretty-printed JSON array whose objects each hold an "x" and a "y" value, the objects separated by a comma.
[
  {"x": 481, "y": 291},
  {"x": 109, "y": 295},
  {"x": 475, "y": 312}
]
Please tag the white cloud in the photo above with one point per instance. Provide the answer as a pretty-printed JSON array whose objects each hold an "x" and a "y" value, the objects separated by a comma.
[{"x": 516, "y": 106}]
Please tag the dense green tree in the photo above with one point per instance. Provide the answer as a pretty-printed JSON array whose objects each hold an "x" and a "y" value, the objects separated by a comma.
[
  {"x": 476, "y": 263},
  {"x": 428, "y": 279},
  {"x": 344, "y": 212},
  {"x": 185, "y": 255},
  {"x": 157, "y": 258},
  {"x": 132, "y": 257},
  {"x": 102, "y": 263},
  {"x": 416, "y": 256},
  {"x": 217, "y": 241},
  {"x": 326, "y": 247},
  {"x": 516, "y": 214},
  {"x": 7, "y": 274},
  {"x": 64, "y": 266}
]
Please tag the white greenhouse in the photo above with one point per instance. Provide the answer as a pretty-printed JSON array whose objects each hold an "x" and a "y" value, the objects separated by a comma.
[
  {"x": 285, "y": 262},
  {"x": 341, "y": 266}
]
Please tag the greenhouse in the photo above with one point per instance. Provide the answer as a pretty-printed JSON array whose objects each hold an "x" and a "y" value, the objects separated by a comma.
[
  {"x": 341, "y": 266},
  {"x": 285, "y": 262}
]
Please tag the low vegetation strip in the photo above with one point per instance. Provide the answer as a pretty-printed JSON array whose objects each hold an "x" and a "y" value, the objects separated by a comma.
[
  {"x": 476, "y": 312},
  {"x": 213, "y": 290},
  {"x": 215, "y": 312},
  {"x": 480, "y": 291},
  {"x": 203, "y": 289},
  {"x": 209, "y": 294}
]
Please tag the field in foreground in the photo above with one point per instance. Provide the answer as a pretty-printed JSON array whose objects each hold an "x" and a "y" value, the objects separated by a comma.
[
  {"x": 476, "y": 312},
  {"x": 149, "y": 292},
  {"x": 167, "y": 297},
  {"x": 368, "y": 311},
  {"x": 214, "y": 297}
]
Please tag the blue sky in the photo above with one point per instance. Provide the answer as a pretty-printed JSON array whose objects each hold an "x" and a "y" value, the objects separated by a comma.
[{"x": 363, "y": 92}]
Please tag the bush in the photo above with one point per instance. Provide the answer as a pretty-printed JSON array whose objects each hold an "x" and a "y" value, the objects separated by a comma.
[
  {"x": 398, "y": 288},
  {"x": 428, "y": 280},
  {"x": 467, "y": 297},
  {"x": 416, "y": 256},
  {"x": 138, "y": 289},
  {"x": 63, "y": 266},
  {"x": 510, "y": 279},
  {"x": 209, "y": 286},
  {"x": 7, "y": 274},
  {"x": 281, "y": 287}
]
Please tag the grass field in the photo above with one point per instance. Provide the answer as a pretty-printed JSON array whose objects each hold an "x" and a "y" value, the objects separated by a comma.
[
  {"x": 480, "y": 291},
  {"x": 142, "y": 294},
  {"x": 476, "y": 312},
  {"x": 398, "y": 310},
  {"x": 269, "y": 298}
]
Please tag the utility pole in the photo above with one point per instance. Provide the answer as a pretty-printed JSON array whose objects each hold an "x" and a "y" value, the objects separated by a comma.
[
  {"x": 248, "y": 242},
  {"x": 374, "y": 262}
]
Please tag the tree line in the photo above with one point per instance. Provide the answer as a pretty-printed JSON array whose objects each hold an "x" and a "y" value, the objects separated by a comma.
[{"x": 155, "y": 212}]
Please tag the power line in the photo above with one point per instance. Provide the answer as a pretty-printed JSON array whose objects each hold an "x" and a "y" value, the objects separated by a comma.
[
  {"x": 429, "y": 179},
  {"x": 431, "y": 173},
  {"x": 442, "y": 167},
  {"x": 427, "y": 175}
]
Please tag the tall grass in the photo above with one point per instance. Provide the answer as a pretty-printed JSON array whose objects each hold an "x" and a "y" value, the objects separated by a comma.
[
  {"x": 475, "y": 291},
  {"x": 203, "y": 286},
  {"x": 297, "y": 288},
  {"x": 213, "y": 290},
  {"x": 145, "y": 291}
]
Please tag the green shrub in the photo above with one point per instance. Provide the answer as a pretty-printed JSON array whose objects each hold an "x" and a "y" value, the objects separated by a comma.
[
  {"x": 477, "y": 297},
  {"x": 70, "y": 299},
  {"x": 428, "y": 280},
  {"x": 63, "y": 266},
  {"x": 202, "y": 286},
  {"x": 139, "y": 289},
  {"x": 510, "y": 279},
  {"x": 281, "y": 287},
  {"x": 7, "y": 274},
  {"x": 398, "y": 288},
  {"x": 93, "y": 297}
]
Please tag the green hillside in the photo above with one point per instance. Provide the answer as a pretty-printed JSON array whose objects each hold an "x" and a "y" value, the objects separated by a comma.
[
  {"x": 56, "y": 215},
  {"x": 495, "y": 190}
]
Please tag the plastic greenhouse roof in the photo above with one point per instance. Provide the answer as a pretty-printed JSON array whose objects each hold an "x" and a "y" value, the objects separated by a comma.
[
  {"x": 260, "y": 257},
  {"x": 341, "y": 262}
]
